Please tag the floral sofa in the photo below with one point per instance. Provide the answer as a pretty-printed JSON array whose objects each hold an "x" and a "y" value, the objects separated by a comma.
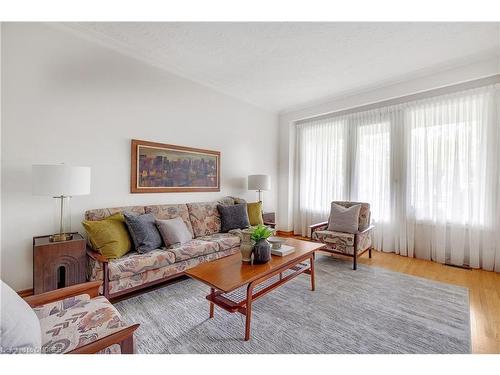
[{"x": 136, "y": 271}]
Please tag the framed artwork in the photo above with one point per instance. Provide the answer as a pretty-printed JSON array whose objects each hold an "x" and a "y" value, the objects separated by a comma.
[{"x": 162, "y": 168}]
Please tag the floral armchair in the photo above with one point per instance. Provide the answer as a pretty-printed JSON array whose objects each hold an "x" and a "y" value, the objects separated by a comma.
[
  {"x": 71, "y": 320},
  {"x": 349, "y": 244}
]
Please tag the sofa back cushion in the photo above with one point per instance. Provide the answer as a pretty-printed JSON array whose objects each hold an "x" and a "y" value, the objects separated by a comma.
[
  {"x": 171, "y": 211},
  {"x": 103, "y": 213},
  {"x": 205, "y": 218}
]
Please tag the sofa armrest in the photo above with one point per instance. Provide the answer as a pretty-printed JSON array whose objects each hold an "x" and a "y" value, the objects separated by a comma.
[
  {"x": 95, "y": 255},
  {"x": 102, "y": 343},
  {"x": 90, "y": 288}
]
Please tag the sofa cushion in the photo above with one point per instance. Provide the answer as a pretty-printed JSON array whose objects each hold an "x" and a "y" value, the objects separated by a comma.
[
  {"x": 109, "y": 236},
  {"x": 143, "y": 231},
  {"x": 173, "y": 231},
  {"x": 76, "y": 321},
  {"x": 19, "y": 326},
  {"x": 255, "y": 213},
  {"x": 134, "y": 263},
  {"x": 164, "y": 272},
  {"x": 225, "y": 241},
  {"x": 204, "y": 217},
  {"x": 102, "y": 213},
  {"x": 171, "y": 211},
  {"x": 233, "y": 217},
  {"x": 193, "y": 249}
]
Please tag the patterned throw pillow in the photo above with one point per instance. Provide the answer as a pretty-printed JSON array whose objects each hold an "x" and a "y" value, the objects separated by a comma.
[
  {"x": 143, "y": 231},
  {"x": 344, "y": 219},
  {"x": 233, "y": 217}
]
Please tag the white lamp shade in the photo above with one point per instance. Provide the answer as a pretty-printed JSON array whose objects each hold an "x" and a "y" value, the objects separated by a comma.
[
  {"x": 59, "y": 179},
  {"x": 259, "y": 182}
]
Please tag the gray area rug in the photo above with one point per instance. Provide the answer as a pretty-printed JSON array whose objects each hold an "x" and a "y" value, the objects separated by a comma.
[{"x": 371, "y": 310}]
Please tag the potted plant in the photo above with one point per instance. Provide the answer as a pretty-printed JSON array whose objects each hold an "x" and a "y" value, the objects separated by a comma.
[{"x": 262, "y": 248}]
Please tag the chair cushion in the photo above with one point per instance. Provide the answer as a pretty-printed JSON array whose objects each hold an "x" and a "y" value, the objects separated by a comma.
[
  {"x": 233, "y": 217},
  {"x": 193, "y": 249},
  {"x": 19, "y": 326},
  {"x": 225, "y": 241},
  {"x": 171, "y": 211},
  {"x": 344, "y": 219},
  {"x": 255, "y": 213},
  {"x": 336, "y": 241},
  {"x": 173, "y": 231},
  {"x": 77, "y": 321},
  {"x": 143, "y": 231},
  {"x": 135, "y": 263},
  {"x": 204, "y": 217},
  {"x": 109, "y": 236}
]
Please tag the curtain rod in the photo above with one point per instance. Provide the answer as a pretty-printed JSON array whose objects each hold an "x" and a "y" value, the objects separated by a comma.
[{"x": 485, "y": 81}]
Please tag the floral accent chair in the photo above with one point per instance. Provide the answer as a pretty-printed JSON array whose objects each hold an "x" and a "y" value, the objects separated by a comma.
[
  {"x": 75, "y": 320},
  {"x": 349, "y": 244}
]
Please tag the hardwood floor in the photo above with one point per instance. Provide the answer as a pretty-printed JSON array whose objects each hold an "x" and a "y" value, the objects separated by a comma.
[{"x": 484, "y": 292}]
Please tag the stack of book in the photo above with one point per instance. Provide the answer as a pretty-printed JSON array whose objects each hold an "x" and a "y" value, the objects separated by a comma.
[{"x": 283, "y": 250}]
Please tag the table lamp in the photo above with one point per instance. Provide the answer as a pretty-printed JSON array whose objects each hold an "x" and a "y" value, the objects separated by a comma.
[
  {"x": 60, "y": 181},
  {"x": 259, "y": 182}
]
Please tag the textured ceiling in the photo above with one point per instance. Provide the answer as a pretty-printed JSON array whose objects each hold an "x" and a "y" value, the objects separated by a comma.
[{"x": 279, "y": 66}]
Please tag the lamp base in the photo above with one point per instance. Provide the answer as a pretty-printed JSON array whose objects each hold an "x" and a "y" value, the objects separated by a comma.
[{"x": 59, "y": 237}]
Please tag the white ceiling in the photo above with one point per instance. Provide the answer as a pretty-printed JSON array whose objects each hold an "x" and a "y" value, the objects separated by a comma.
[{"x": 279, "y": 66}]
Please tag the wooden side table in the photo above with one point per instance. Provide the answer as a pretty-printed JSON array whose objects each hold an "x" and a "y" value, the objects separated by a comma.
[
  {"x": 269, "y": 219},
  {"x": 58, "y": 264}
]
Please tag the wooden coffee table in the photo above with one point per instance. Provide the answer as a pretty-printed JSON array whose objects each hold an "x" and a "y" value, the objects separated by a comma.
[{"x": 235, "y": 285}]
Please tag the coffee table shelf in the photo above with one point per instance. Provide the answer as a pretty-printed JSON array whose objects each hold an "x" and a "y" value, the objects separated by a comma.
[{"x": 235, "y": 300}]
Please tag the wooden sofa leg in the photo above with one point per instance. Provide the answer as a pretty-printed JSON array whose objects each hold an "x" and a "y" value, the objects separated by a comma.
[
  {"x": 370, "y": 253},
  {"x": 127, "y": 345},
  {"x": 354, "y": 261}
]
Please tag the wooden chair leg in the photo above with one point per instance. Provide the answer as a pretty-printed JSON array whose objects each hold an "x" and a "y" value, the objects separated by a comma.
[
  {"x": 127, "y": 345},
  {"x": 354, "y": 261},
  {"x": 370, "y": 253}
]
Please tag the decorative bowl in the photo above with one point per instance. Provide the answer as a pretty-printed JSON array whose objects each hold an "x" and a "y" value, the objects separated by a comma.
[{"x": 276, "y": 242}]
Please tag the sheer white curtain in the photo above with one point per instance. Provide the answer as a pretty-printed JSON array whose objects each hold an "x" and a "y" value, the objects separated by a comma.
[
  {"x": 320, "y": 171},
  {"x": 452, "y": 168},
  {"x": 429, "y": 169}
]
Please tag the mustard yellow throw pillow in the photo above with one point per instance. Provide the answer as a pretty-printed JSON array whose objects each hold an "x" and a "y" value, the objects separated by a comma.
[
  {"x": 255, "y": 213},
  {"x": 109, "y": 236}
]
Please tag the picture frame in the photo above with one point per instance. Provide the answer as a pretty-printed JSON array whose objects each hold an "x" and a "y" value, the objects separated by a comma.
[{"x": 165, "y": 168}]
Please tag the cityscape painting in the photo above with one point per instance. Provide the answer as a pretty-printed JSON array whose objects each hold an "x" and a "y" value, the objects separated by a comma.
[{"x": 162, "y": 168}]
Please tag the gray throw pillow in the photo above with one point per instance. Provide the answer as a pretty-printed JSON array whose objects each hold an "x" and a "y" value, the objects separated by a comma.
[
  {"x": 344, "y": 219},
  {"x": 19, "y": 327},
  {"x": 173, "y": 231},
  {"x": 233, "y": 217},
  {"x": 143, "y": 231}
]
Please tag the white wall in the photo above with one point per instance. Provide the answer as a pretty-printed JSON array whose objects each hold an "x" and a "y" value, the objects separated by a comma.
[
  {"x": 474, "y": 70},
  {"x": 68, "y": 100}
]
